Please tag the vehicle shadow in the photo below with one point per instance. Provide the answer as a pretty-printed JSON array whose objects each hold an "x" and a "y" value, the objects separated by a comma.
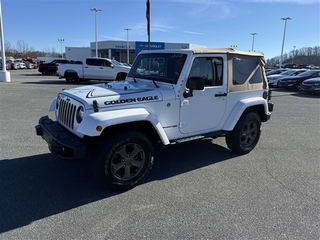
[
  {"x": 36, "y": 187},
  {"x": 49, "y": 82},
  {"x": 33, "y": 74},
  {"x": 306, "y": 95},
  {"x": 39, "y": 186},
  {"x": 294, "y": 93},
  {"x": 188, "y": 156},
  {"x": 63, "y": 82}
]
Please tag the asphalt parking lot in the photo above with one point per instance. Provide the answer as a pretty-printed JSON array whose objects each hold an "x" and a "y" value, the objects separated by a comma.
[{"x": 196, "y": 190}]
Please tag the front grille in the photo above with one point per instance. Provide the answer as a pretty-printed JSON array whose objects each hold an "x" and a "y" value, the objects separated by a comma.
[
  {"x": 66, "y": 113},
  {"x": 306, "y": 87}
]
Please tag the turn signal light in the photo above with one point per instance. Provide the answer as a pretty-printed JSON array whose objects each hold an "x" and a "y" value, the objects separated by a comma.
[{"x": 99, "y": 128}]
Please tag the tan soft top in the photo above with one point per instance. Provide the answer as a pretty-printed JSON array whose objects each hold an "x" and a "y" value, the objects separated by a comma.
[
  {"x": 233, "y": 53},
  {"x": 227, "y": 50}
]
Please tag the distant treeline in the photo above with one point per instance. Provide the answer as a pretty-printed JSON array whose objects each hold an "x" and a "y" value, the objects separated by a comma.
[{"x": 302, "y": 56}]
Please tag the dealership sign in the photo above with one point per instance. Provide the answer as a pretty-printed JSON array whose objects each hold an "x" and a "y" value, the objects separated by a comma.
[{"x": 145, "y": 46}]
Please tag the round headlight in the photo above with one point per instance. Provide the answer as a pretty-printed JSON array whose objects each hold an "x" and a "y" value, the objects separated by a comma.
[{"x": 80, "y": 114}]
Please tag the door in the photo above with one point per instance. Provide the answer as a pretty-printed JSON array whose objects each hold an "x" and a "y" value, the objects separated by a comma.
[
  {"x": 107, "y": 70},
  {"x": 92, "y": 68},
  {"x": 203, "y": 111}
]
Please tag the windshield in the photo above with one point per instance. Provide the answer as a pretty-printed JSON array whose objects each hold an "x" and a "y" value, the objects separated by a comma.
[
  {"x": 307, "y": 73},
  {"x": 162, "y": 67},
  {"x": 287, "y": 73},
  {"x": 115, "y": 62}
]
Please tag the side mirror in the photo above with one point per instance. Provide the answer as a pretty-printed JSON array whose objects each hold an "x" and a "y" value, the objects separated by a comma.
[
  {"x": 111, "y": 65},
  {"x": 194, "y": 83}
]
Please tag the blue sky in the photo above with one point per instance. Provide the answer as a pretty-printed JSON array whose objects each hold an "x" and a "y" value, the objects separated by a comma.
[{"x": 212, "y": 23}]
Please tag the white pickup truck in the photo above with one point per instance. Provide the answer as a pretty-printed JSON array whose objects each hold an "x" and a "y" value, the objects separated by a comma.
[
  {"x": 93, "y": 69},
  {"x": 168, "y": 97}
]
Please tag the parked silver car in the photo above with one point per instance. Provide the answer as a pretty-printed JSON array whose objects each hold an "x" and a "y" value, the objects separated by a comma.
[
  {"x": 274, "y": 79},
  {"x": 22, "y": 65}
]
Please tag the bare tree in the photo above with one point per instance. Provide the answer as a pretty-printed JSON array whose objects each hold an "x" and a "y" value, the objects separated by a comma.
[
  {"x": 22, "y": 47},
  {"x": 7, "y": 46},
  {"x": 318, "y": 50}
]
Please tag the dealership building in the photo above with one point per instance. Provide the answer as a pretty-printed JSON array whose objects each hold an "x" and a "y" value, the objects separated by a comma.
[{"x": 120, "y": 50}]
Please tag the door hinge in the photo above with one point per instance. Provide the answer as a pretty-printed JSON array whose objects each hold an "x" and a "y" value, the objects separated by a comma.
[{"x": 184, "y": 103}]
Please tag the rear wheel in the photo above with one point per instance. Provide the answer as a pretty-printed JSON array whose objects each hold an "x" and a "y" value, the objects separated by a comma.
[
  {"x": 72, "y": 78},
  {"x": 122, "y": 161},
  {"x": 121, "y": 76},
  {"x": 45, "y": 71},
  {"x": 245, "y": 136}
]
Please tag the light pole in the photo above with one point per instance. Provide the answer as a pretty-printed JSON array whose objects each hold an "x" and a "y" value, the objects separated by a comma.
[
  {"x": 284, "y": 35},
  {"x": 61, "y": 41},
  {"x": 127, "y": 29},
  {"x": 4, "y": 74},
  {"x": 253, "y": 34},
  {"x": 96, "y": 10}
]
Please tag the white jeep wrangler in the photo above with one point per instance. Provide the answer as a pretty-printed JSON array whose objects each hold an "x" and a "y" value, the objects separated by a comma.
[{"x": 169, "y": 96}]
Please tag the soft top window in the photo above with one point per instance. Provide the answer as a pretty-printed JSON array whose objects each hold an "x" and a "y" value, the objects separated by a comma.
[{"x": 244, "y": 69}]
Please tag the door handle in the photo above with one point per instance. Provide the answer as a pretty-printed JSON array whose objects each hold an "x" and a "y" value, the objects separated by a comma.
[{"x": 220, "y": 94}]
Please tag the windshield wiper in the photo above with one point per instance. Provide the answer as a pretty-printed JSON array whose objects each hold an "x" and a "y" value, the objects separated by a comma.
[
  {"x": 154, "y": 82},
  {"x": 133, "y": 77}
]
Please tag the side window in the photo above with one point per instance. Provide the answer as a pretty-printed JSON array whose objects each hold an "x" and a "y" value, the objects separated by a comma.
[
  {"x": 99, "y": 62},
  {"x": 91, "y": 61},
  {"x": 106, "y": 63},
  {"x": 209, "y": 68},
  {"x": 243, "y": 68},
  {"x": 95, "y": 62},
  {"x": 316, "y": 75}
]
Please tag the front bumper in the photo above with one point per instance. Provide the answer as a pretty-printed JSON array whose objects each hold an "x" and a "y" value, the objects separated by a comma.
[
  {"x": 310, "y": 88},
  {"x": 60, "y": 141}
]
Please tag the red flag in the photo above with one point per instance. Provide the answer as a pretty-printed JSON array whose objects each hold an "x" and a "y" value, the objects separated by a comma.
[{"x": 148, "y": 16}]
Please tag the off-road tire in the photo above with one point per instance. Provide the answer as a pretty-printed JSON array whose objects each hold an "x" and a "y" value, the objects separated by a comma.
[
  {"x": 122, "y": 161},
  {"x": 121, "y": 76},
  {"x": 72, "y": 78},
  {"x": 245, "y": 136},
  {"x": 44, "y": 71}
]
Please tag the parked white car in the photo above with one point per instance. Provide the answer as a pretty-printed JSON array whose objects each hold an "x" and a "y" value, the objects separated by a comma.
[
  {"x": 29, "y": 65},
  {"x": 22, "y": 65},
  {"x": 274, "y": 79}
]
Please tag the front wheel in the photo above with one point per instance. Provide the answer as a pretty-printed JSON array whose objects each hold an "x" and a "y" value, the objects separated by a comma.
[
  {"x": 298, "y": 88},
  {"x": 72, "y": 78},
  {"x": 245, "y": 136},
  {"x": 122, "y": 161}
]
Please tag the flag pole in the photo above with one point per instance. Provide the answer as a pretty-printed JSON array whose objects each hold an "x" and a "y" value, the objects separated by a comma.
[{"x": 148, "y": 21}]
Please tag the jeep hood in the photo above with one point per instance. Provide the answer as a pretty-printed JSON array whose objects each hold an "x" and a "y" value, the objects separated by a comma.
[{"x": 118, "y": 93}]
